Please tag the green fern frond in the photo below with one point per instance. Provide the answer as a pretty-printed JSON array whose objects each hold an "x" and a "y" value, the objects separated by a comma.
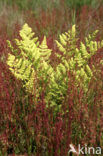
[
  {"x": 84, "y": 52},
  {"x": 60, "y": 46},
  {"x": 73, "y": 32},
  {"x": 44, "y": 50},
  {"x": 76, "y": 59},
  {"x": 26, "y": 32},
  {"x": 63, "y": 40},
  {"x": 21, "y": 68},
  {"x": 89, "y": 71}
]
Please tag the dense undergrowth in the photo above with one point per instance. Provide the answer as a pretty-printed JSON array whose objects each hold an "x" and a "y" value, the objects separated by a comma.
[{"x": 31, "y": 123}]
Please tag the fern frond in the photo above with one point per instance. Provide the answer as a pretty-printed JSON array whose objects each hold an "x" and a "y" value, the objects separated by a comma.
[
  {"x": 21, "y": 68},
  {"x": 26, "y": 32},
  {"x": 45, "y": 52},
  {"x": 84, "y": 52},
  {"x": 73, "y": 32},
  {"x": 60, "y": 46},
  {"x": 63, "y": 39}
]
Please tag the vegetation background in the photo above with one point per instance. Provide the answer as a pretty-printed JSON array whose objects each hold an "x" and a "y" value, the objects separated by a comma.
[{"x": 38, "y": 131}]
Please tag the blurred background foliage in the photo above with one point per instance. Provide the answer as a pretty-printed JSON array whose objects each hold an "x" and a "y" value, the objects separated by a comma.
[
  {"x": 34, "y": 4},
  {"x": 50, "y": 17}
]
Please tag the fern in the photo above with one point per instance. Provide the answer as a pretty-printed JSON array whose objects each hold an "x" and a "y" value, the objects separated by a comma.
[
  {"x": 45, "y": 52},
  {"x": 76, "y": 59},
  {"x": 22, "y": 69},
  {"x": 30, "y": 62}
]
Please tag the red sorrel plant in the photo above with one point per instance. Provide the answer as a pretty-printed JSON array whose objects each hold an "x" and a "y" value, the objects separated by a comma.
[
  {"x": 12, "y": 100},
  {"x": 49, "y": 135},
  {"x": 87, "y": 110}
]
